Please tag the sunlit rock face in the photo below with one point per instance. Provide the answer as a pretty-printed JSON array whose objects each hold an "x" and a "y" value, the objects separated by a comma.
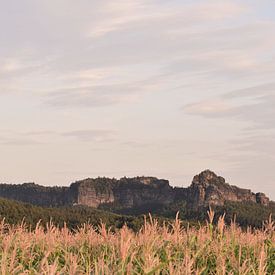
[
  {"x": 206, "y": 189},
  {"x": 209, "y": 189},
  {"x": 93, "y": 192},
  {"x": 126, "y": 192}
]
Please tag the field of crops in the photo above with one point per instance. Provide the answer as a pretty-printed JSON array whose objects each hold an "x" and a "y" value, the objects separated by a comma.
[{"x": 155, "y": 249}]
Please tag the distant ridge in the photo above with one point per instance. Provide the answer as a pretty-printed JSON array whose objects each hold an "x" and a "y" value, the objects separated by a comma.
[{"x": 206, "y": 189}]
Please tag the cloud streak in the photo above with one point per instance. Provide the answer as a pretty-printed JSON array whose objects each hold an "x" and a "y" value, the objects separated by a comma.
[
  {"x": 40, "y": 137},
  {"x": 91, "y": 135},
  {"x": 254, "y": 105}
]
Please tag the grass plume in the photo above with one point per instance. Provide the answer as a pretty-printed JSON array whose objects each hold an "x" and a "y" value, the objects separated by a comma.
[{"x": 154, "y": 249}]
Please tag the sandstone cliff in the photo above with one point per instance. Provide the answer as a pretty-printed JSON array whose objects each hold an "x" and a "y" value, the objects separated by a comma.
[
  {"x": 209, "y": 189},
  {"x": 126, "y": 192},
  {"x": 206, "y": 189}
]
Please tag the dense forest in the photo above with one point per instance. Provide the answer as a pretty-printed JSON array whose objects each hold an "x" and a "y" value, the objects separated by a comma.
[
  {"x": 14, "y": 212},
  {"x": 244, "y": 213}
]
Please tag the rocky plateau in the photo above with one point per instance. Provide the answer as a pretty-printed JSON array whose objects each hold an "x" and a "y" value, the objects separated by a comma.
[{"x": 206, "y": 189}]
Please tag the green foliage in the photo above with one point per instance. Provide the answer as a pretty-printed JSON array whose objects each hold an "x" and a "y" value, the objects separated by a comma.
[
  {"x": 244, "y": 213},
  {"x": 15, "y": 212},
  {"x": 114, "y": 216}
]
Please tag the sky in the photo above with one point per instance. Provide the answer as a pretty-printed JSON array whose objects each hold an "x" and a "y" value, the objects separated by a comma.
[{"x": 137, "y": 87}]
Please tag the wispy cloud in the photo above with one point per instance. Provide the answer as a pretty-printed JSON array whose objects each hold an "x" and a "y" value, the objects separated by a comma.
[
  {"x": 254, "y": 105},
  {"x": 18, "y": 141},
  {"x": 91, "y": 135},
  {"x": 92, "y": 96},
  {"x": 42, "y": 137},
  {"x": 124, "y": 15},
  {"x": 209, "y": 108}
]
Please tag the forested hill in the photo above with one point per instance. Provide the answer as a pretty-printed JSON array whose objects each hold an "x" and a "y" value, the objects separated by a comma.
[
  {"x": 116, "y": 202},
  {"x": 246, "y": 214},
  {"x": 14, "y": 212}
]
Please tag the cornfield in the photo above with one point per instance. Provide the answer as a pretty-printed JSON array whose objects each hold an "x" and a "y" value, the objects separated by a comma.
[{"x": 155, "y": 249}]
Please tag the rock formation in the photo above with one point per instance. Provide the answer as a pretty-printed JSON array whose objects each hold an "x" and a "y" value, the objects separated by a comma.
[
  {"x": 209, "y": 189},
  {"x": 206, "y": 189},
  {"x": 126, "y": 192}
]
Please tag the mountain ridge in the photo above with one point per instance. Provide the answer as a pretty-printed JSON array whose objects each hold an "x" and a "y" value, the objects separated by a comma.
[{"x": 206, "y": 189}]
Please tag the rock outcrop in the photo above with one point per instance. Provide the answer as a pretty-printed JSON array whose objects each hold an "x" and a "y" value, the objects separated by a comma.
[
  {"x": 206, "y": 189},
  {"x": 126, "y": 192},
  {"x": 93, "y": 192},
  {"x": 209, "y": 189}
]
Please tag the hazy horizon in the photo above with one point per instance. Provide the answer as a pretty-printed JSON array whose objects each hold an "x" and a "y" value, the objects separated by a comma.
[{"x": 131, "y": 88}]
